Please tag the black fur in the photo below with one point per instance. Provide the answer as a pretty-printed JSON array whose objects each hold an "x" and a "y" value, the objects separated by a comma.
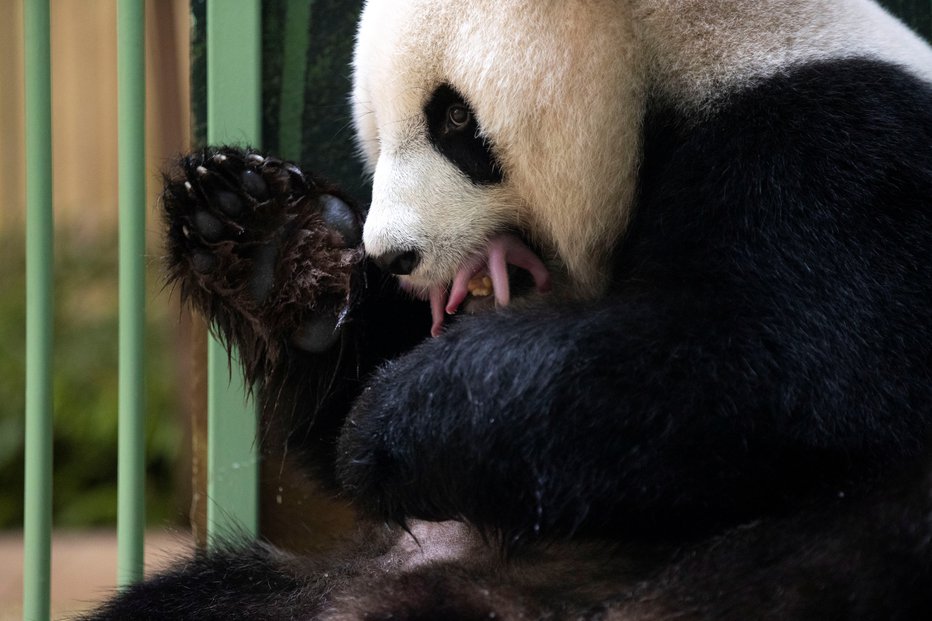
[
  {"x": 463, "y": 145},
  {"x": 745, "y": 416},
  {"x": 264, "y": 251},
  {"x": 767, "y": 343}
]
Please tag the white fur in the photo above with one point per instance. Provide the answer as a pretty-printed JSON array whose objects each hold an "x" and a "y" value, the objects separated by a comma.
[
  {"x": 559, "y": 88},
  {"x": 527, "y": 69},
  {"x": 727, "y": 44}
]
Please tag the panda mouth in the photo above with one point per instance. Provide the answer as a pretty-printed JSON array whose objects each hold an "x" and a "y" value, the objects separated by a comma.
[{"x": 485, "y": 274}]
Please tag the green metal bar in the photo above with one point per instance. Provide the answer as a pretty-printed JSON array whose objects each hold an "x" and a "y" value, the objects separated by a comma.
[
  {"x": 233, "y": 116},
  {"x": 37, "y": 525},
  {"x": 131, "y": 119},
  {"x": 294, "y": 78}
]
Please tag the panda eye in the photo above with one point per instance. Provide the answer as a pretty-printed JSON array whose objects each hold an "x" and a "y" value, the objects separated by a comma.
[
  {"x": 453, "y": 130},
  {"x": 458, "y": 116}
]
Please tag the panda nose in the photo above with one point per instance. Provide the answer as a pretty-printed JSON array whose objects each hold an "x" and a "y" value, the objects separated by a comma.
[{"x": 398, "y": 263}]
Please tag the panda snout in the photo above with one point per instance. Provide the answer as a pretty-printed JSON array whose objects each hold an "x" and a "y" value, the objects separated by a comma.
[{"x": 399, "y": 263}]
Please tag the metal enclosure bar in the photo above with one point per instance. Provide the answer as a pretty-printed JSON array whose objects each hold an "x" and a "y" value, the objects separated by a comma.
[
  {"x": 37, "y": 525},
  {"x": 131, "y": 118},
  {"x": 233, "y": 116}
]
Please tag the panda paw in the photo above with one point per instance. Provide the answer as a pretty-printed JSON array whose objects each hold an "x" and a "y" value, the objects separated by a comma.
[
  {"x": 420, "y": 444},
  {"x": 267, "y": 252}
]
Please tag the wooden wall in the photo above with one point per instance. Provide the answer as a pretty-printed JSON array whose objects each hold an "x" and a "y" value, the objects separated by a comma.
[{"x": 84, "y": 106}]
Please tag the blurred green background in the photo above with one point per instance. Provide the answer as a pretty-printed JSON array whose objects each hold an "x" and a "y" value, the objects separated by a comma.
[
  {"x": 85, "y": 386},
  {"x": 306, "y": 117}
]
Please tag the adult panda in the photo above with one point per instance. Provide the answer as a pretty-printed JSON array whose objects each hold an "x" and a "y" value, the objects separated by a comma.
[{"x": 700, "y": 384}]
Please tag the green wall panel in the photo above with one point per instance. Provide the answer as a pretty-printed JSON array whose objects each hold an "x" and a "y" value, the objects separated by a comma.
[
  {"x": 306, "y": 50},
  {"x": 916, "y": 13}
]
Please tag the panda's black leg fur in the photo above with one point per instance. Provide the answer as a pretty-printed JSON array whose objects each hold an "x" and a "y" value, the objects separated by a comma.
[
  {"x": 221, "y": 585},
  {"x": 641, "y": 437},
  {"x": 271, "y": 257}
]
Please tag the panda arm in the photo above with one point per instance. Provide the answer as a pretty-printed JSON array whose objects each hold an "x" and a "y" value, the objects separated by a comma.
[
  {"x": 626, "y": 418},
  {"x": 270, "y": 255},
  {"x": 767, "y": 342}
]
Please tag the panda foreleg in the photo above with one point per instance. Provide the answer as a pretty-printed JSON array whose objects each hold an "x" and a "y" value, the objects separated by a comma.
[
  {"x": 272, "y": 257},
  {"x": 654, "y": 414},
  {"x": 253, "y": 583}
]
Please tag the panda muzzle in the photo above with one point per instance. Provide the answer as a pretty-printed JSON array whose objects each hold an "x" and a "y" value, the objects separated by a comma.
[{"x": 492, "y": 264}]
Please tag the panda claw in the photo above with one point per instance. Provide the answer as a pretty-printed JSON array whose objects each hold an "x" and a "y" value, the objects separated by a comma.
[
  {"x": 294, "y": 170},
  {"x": 201, "y": 171}
]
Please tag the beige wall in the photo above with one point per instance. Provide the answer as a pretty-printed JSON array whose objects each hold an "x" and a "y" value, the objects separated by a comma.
[{"x": 84, "y": 106}]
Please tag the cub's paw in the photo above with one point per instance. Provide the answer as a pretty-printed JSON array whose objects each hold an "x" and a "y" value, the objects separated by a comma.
[{"x": 268, "y": 253}]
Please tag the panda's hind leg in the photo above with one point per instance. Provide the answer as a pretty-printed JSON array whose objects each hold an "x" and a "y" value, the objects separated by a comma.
[{"x": 265, "y": 251}]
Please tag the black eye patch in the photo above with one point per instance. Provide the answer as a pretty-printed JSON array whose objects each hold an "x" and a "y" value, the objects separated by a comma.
[{"x": 454, "y": 131}]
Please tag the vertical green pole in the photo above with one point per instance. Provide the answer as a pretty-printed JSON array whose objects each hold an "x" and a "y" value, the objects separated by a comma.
[
  {"x": 131, "y": 100},
  {"x": 233, "y": 116},
  {"x": 294, "y": 78},
  {"x": 37, "y": 525}
]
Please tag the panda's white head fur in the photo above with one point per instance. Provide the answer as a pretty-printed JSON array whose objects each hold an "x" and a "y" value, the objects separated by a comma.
[
  {"x": 700, "y": 49},
  {"x": 565, "y": 141},
  {"x": 558, "y": 89}
]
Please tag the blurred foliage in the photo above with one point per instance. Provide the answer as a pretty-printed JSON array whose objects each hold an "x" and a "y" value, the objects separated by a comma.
[{"x": 85, "y": 386}]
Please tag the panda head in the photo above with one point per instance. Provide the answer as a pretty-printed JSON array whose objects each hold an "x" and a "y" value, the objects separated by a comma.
[
  {"x": 524, "y": 116},
  {"x": 482, "y": 118}
]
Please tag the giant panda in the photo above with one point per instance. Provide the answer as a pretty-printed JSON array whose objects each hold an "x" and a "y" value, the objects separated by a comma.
[{"x": 638, "y": 324}]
